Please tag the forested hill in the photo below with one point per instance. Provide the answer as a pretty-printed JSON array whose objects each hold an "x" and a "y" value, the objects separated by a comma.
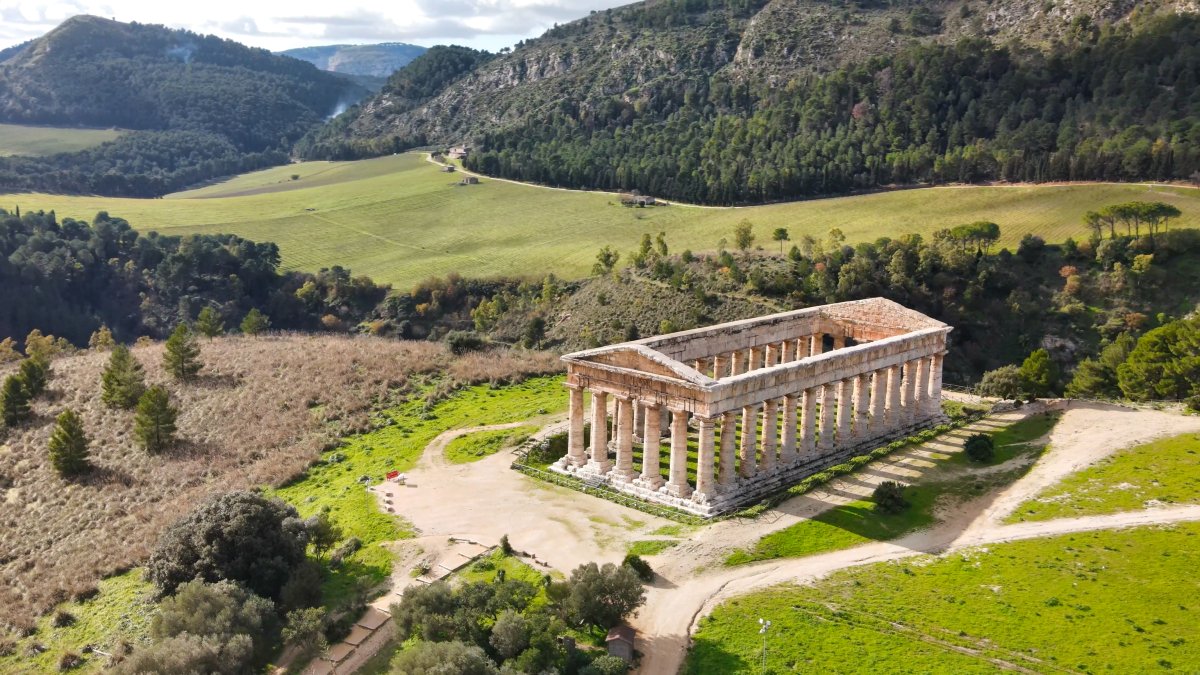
[
  {"x": 202, "y": 106},
  {"x": 750, "y": 100}
]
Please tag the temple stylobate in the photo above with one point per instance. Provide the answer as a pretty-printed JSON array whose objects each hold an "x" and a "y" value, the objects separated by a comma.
[{"x": 753, "y": 405}]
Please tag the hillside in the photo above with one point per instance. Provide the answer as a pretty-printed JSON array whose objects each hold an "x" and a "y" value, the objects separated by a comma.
[
  {"x": 733, "y": 102},
  {"x": 400, "y": 220},
  {"x": 203, "y": 106},
  {"x": 260, "y": 412},
  {"x": 378, "y": 60}
]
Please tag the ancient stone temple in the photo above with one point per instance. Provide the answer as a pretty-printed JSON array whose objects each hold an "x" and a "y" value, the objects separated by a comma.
[{"x": 754, "y": 405}]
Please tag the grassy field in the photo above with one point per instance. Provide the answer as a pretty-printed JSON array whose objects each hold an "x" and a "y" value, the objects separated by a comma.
[
  {"x": 1163, "y": 472},
  {"x": 1014, "y": 439},
  {"x": 1121, "y": 602},
  {"x": 476, "y": 446},
  {"x": 19, "y": 139},
  {"x": 400, "y": 220}
]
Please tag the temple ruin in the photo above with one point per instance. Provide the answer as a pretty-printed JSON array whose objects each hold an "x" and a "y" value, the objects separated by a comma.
[{"x": 759, "y": 404}]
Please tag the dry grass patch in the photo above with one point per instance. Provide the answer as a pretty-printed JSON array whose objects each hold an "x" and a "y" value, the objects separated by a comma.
[{"x": 260, "y": 413}]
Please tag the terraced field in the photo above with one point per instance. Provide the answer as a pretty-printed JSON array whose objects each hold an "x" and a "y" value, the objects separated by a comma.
[
  {"x": 20, "y": 139},
  {"x": 400, "y": 220}
]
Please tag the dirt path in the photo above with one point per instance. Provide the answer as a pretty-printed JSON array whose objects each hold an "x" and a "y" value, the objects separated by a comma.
[
  {"x": 563, "y": 528},
  {"x": 1086, "y": 433}
]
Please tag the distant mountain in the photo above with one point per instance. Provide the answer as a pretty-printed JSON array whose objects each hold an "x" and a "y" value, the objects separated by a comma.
[
  {"x": 726, "y": 101},
  {"x": 204, "y": 106},
  {"x": 378, "y": 60}
]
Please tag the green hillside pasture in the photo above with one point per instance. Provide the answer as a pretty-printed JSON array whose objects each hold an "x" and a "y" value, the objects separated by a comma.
[
  {"x": 399, "y": 219},
  {"x": 1164, "y": 472},
  {"x": 1115, "y": 601},
  {"x": 19, "y": 139}
]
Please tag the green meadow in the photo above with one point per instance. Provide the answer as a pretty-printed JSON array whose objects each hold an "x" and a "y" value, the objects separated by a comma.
[
  {"x": 399, "y": 219},
  {"x": 20, "y": 139},
  {"x": 1164, "y": 472},
  {"x": 1112, "y": 602}
]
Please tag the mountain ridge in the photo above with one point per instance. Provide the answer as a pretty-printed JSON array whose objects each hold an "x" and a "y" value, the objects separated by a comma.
[{"x": 378, "y": 60}]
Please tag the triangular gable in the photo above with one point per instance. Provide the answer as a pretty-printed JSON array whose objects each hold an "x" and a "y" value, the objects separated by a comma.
[{"x": 641, "y": 359}]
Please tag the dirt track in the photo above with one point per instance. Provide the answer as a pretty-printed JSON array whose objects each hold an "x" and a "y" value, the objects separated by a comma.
[{"x": 563, "y": 528}]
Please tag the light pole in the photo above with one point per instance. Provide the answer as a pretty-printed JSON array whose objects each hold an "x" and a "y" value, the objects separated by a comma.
[{"x": 764, "y": 625}]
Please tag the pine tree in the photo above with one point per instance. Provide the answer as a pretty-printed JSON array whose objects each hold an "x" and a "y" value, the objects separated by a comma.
[
  {"x": 122, "y": 382},
  {"x": 182, "y": 356},
  {"x": 154, "y": 425},
  {"x": 14, "y": 401},
  {"x": 255, "y": 322},
  {"x": 34, "y": 373},
  {"x": 209, "y": 323},
  {"x": 69, "y": 445},
  {"x": 101, "y": 339}
]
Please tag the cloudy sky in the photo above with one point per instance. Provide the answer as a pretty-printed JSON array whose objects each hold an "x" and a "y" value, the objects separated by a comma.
[{"x": 283, "y": 24}]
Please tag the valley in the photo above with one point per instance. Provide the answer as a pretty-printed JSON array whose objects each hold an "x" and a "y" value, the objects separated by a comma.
[{"x": 399, "y": 220}]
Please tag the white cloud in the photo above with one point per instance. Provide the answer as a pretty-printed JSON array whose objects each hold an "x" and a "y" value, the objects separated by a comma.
[{"x": 280, "y": 24}]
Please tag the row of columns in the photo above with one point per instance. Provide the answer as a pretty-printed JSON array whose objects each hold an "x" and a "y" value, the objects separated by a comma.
[
  {"x": 774, "y": 433},
  {"x": 764, "y": 356}
]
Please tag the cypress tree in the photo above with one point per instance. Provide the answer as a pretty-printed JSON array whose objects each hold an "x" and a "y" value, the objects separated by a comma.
[
  {"x": 14, "y": 401},
  {"x": 154, "y": 425},
  {"x": 69, "y": 445},
  {"x": 255, "y": 322},
  {"x": 34, "y": 373},
  {"x": 182, "y": 356},
  {"x": 122, "y": 382},
  {"x": 209, "y": 323}
]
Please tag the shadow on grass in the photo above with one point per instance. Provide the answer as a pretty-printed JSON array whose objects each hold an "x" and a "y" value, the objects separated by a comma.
[{"x": 708, "y": 656}]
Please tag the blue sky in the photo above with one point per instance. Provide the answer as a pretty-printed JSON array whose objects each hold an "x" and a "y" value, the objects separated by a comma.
[{"x": 283, "y": 24}]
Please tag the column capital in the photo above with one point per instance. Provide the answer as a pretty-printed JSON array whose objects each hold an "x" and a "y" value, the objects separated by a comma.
[{"x": 573, "y": 385}]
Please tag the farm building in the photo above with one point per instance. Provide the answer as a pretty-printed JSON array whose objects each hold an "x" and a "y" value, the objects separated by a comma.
[
  {"x": 469, "y": 180},
  {"x": 459, "y": 152},
  {"x": 635, "y": 199},
  {"x": 620, "y": 642}
]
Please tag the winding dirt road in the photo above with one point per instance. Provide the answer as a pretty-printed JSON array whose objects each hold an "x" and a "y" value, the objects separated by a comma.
[{"x": 563, "y": 528}]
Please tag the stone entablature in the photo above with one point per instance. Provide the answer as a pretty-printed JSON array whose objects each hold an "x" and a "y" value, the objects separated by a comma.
[{"x": 806, "y": 405}]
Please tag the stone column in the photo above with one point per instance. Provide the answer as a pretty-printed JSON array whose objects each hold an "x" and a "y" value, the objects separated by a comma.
[
  {"x": 879, "y": 402},
  {"x": 720, "y": 366},
  {"x": 908, "y": 403},
  {"x": 862, "y": 395},
  {"x": 678, "y": 485},
  {"x": 735, "y": 358},
  {"x": 749, "y": 440},
  {"x": 935, "y": 385},
  {"x": 754, "y": 361},
  {"x": 839, "y": 341},
  {"x": 702, "y": 366},
  {"x": 599, "y": 459},
  {"x": 894, "y": 417},
  {"x": 651, "y": 477},
  {"x": 771, "y": 355},
  {"x": 728, "y": 448},
  {"x": 787, "y": 448},
  {"x": 576, "y": 452},
  {"x": 704, "y": 459},
  {"x": 818, "y": 343},
  {"x": 923, "y": 389},
  {"x": 826, "y": 434},
  {"x": 808, "y": 444},
  {"x": 845, "y": 410},
  {"x": 624, "y": 468},
  {"x": 803, "y": 347},
  {"x": 770, "y": 432},
  {"x": 788, "y": 352},
  {"x": 639, "y": 420}
]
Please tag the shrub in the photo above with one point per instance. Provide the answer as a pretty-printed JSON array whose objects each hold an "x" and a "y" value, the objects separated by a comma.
[
  {"x": 69, "y": 661},
  {"x": 63, "y": 619},
  {"x": 1004, "y": 382},
  {"x": 303, "y": 588},
  {"x": 980, "y": 448},
  {"x": 122, "y": 383},
  {"x": 154, "y": 424},
  {"x": 223, "y": 612},
  {"x": 34, "y": 372},
  {"x": 347, "y": 549},
  {"x": 505, "y": 547},
  {"x": 603, "y": 596},
  {"x": 181, "y": 357},
  {"x": 238, "y": 536},
  {"x": 606, "y": 664},
  {"x": 443, "y": 657},
  {"x": 306, "y": 629},
  {"x": 14, "y": 401},
  {"x": 69, "y": 446},
  {"x": 1193, "y": 404},
  {"x": 889, "y": 497},
  {"x": 637, "y": 564},
  {"x": 463, "y": 341}
]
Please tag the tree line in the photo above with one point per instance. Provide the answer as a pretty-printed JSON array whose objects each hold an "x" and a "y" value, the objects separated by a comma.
[{"x": 70, "y": 277}]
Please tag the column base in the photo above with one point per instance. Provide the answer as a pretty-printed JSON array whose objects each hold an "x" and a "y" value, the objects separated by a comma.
[
  {"x": 596, "y": 468},
  {"x": 652, "y": 483},
  {"x": 622, "y": 475},
  {"x": 682, "y": 491}
]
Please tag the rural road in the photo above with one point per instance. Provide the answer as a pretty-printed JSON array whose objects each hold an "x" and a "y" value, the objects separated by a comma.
[{"x": 563, "y": 528}]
